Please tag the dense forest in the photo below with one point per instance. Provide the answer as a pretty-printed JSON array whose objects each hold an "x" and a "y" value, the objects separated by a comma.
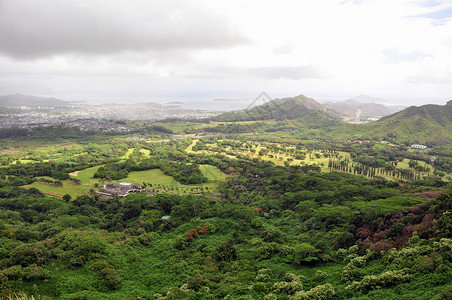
[{"x": 275, "y": 228}]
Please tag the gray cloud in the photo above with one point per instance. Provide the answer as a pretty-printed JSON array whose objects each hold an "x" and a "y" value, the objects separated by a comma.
[
  {"x": 40, "y": 28},
  {"x": 272, "y": 72}
]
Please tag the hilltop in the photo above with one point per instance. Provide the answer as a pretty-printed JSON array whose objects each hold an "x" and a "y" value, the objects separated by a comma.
[
  {"x": 27, "y": 100},
  {"x": 281, "y": 109},
  {"x": 427, "y": 124}
]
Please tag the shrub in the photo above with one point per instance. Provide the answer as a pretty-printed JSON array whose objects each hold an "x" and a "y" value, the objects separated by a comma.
[
  {"x": 375, "y": 282},
  {"x": 290, "y": 286},
  {"x": 111, "y": 278},
  {"x": 320, "y": 292},
  {"x": 263, "y": 275},
  {"x": 303, "y": 253},
  {"x": 28, "y": 254},
  {"x": 320, "y": 275}
]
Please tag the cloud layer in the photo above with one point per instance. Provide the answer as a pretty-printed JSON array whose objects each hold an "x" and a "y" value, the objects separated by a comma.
[
  {"x": 398, "y": 50},
  {"x": 41, "y": 28}
]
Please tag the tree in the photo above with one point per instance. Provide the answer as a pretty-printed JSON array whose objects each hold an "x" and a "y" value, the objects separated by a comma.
[
  {"x": 67, "y": 197},
  {"x": 304, "y": 253}
]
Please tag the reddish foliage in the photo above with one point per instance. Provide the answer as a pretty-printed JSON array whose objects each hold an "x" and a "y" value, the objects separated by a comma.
[
  {"x": 364, "y": 232},
  {"x": 411, "y": 219},
  {"x": 426, "y": 224},
  {"x": 382, "y": 245},
  {"x": 427, "y": 220},
  {"x": 429, "y": 195},
  {"x": 365, "y": 243},
  {"x": 203, "y": 230},
  {"x": 409, "y": 229},
  {"x": 215, "y": 269},
  {"x": 416, "y": 210},
  {"x": 379, "y": 235},
  {"x": 401, "y": 239},
  {"x": 257, "y": 210},
  {"x": 413, "y": 216}
]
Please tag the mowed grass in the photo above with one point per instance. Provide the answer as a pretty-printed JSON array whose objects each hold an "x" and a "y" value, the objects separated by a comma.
[
  {"x": 86, "y": 175},
  {"x": 212, "y": 173},
  {"x": 154, "y": 176},
  {"x": 69, "y": 187}
]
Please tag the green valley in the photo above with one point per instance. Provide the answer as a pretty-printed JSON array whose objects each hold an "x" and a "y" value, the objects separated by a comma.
[{"x": 275, "y": 205}]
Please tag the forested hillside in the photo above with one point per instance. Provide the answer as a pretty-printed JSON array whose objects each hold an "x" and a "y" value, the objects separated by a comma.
[
  {"x": 281, "y": 109},
  {"x": 428, "y": 124},
  {"x": 276, "y": 223}
]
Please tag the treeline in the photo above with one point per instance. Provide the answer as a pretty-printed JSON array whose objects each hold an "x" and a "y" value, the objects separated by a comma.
[
  {"x": 388, "y": 169},
  {"x": 183, "y": 172},
  {"x": 53, "y": 169}
]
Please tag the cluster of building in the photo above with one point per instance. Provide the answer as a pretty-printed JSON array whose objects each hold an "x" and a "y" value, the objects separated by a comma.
[
  {"x": 120, "y": 189},
  {"x": 77, "y": 114}
]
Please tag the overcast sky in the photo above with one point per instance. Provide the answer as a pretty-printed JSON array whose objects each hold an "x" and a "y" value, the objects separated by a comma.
[{"x": 398, "y": 50}]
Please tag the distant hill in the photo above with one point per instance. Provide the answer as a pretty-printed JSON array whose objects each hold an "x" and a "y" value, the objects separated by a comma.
[
  {"x": 27, "y": 100},
  {"x": 427, "y": 124},
  {"x": 368, "y": 110},
  {"x": 280, "y": 109}
]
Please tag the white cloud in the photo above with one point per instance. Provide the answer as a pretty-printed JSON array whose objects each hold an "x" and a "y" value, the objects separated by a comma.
[{"x": 327, "y": 48}]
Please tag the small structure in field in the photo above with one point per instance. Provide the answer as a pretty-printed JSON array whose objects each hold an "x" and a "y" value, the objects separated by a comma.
[
  {"x": 417, "y": 146},
  {"x": 120, "y": 189}
]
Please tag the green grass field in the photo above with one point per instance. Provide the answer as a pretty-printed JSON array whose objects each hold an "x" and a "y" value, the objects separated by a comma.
[
  {"x": 154, "y": 176},
  {"x": 69, "y": 187},
  {"x": 86, "y": 175},
  {"x": 279, "y": 158},
  {"x": 212, "y": 173}
]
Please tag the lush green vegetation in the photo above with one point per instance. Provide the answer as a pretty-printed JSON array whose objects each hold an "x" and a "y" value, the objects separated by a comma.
[{"x": 238, "y": 216}]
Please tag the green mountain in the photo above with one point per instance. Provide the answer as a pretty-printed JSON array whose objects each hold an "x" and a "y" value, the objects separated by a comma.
[
  {"x": 428, "y": 124},
  {"x": 27, "y": 100},
  {"x": 281, "y": 109}
]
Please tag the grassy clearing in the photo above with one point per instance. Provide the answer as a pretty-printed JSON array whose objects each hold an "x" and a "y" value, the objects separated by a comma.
[
  {"x": 68, "y": 188},
  {"x": 86, "y": 175},
  {"x": 146, "y": 152},
  {"x": 388, "y": 205},
  {"x": 154, "y": 176},
  {"x": 212, "y": 173},
  {"x": 190, "y": 148},
  {"x": 128, "y": 153}
]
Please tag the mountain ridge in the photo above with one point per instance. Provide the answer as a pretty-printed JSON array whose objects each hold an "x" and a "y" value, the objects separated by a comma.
[
  {"x": 15, "y": 100},
  {"x": 427, "y": 124},
  {"x": 289, "y": 108}
]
